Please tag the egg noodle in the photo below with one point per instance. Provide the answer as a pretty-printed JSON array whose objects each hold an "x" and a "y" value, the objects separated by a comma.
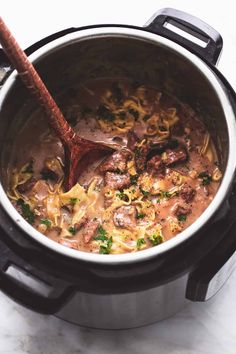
[{"x": 55, "y": 209}]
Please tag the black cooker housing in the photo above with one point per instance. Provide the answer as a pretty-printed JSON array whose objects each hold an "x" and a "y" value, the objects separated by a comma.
[{"x": 203, "y": 256}]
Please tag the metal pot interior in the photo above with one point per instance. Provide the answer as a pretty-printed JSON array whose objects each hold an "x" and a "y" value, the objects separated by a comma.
[{"x": 116, "y": 56}]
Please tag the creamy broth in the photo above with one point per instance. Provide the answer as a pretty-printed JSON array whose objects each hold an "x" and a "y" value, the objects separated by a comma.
[{"x": 162, "y": 176}]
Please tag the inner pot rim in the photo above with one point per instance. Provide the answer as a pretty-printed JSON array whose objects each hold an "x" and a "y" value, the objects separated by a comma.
[{"x": 142, "y": 35}]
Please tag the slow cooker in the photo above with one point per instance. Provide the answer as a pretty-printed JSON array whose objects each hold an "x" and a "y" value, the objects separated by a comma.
[{"x": 127, "y": 290}]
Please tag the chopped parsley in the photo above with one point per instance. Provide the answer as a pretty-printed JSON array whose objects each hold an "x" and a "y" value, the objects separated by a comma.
[
  {"x": 134, "y": 179},
  {"x": 145, "y": 193},
  {"x": 121, "y": 195},
  {"x": 134, "y": 113},
  {"x": 182, "y": 217},
  {"x": 73, "y": 201},
  {"x": 48, "y": 174},
  {"x": 140, "y": 242},
  {"x": 140, "y": 216},
  {"x": 206, "y": 178},
  {"x": 105, "y": 247},
  {"x": 165, "y": 194},
  {"x": 101, "y": 234},
  {"x": 104, "y": 113},
  {"x": 29, "y": 167},
  {"x": 137, "y": 152},
  {"x": 27, "y": 213},
  {"x": 72, "y": 230},
  {"x": 155, "y": 239},
  {"x": 46, "y": 222}
]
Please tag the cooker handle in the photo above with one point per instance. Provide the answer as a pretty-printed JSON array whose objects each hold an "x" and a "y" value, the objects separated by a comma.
[
  {"x": 210, "y": 41},
  {"x": 25, "y": 294},
  {"x": 213, "y": 271}
]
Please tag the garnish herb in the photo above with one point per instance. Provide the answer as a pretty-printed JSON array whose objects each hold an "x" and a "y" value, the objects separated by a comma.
[
  {"x": 27, "y": 213},
  {"x": 206, "y": 178},
  {"x": 140, "y": 242},
  {"x": 47, "y": 174},
  {"x": 118, "y": 171},
  {"x": 182, "y": 217},
  {"x": 101, "y": 234},
  {"x": 72, "y": 230},
  {"x": 104, "y": 113},
  {"x": 137, "y": 152},
  {"x": 121, "y": 195},
  {"x": 145, "y": 193},
  {"x": 29, "y": 167},
  {"x": 155, "y": 239},
  {"x": 165, "y": 194},
  {"x": 73, "y": 201},
  {"x": 46, "y": 222},
  {"x": 140, "y": 216},
  {"x": 134, "y": 179},
  {"x": 105, "y": 247}
]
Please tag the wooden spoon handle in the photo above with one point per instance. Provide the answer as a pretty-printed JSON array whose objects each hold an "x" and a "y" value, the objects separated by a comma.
[{"x": 34, "y": 84}]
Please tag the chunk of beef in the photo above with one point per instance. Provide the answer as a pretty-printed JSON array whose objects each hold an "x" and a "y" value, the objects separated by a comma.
[
  {"x": 181, "y": 210},
  {"x": 89, "y": 230},
  {"x": 140, "y": 157},
  {"x": 156, "y": 166},
  {"x": 116, "y": 162},
  {"x": 69, "y": 243},
  {"x": 116, "y": 180},
  {"x": 27, "y": 186},
  {"x": 157, "y": 147},
  {"x": 81, "y": 222},
  {"x": 125, "y": 216},
  {"x": 175, "y": 156},
  {"x": 187, "y": 193},
  {"x": 132, "y": 140}
]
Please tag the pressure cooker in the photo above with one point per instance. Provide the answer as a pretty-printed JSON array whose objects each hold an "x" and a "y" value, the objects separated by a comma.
[{"x": 173, "y": 51}]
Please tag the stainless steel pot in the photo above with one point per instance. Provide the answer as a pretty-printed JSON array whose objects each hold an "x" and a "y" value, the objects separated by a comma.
[{"x": 128, "y": 290}]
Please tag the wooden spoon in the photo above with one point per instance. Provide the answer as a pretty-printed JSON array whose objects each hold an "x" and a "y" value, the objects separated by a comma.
[{"x": 75, "y": 147}]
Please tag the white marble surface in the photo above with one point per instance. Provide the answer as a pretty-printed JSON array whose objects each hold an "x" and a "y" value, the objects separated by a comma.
[{"x": 208, "y": 328}]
